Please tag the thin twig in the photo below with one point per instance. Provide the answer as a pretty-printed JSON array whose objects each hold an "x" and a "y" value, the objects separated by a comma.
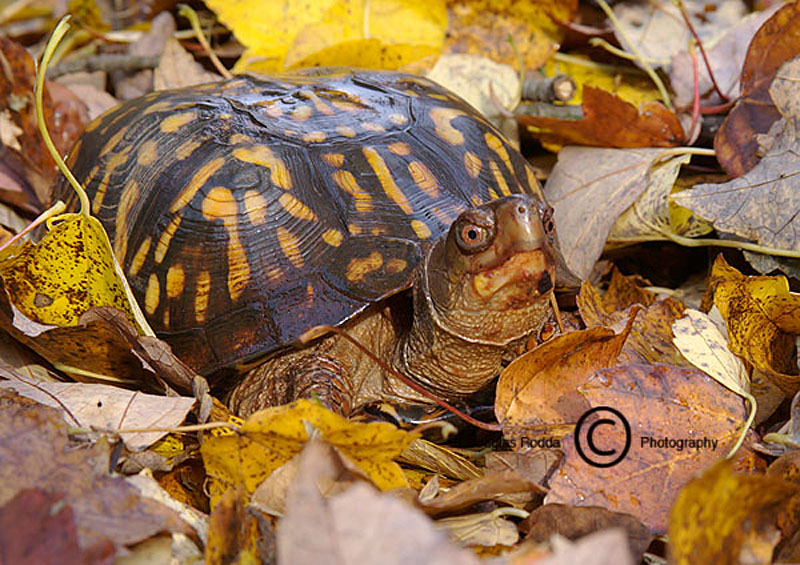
[{"x": 688, "y": 21}]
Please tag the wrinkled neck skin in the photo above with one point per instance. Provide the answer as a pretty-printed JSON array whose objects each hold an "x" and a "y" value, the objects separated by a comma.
[{"x": 457, "y": 340}]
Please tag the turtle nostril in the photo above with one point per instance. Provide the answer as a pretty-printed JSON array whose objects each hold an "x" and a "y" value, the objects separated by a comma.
[{"x": 545, "y": 283}]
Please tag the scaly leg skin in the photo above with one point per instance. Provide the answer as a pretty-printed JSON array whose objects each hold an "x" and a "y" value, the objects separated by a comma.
[{"x": 282, "y": 380}]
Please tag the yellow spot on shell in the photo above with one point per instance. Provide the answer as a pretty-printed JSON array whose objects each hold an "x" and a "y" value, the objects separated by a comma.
[
  {"x": 360, "y": 267},
  {"x": 113, "y": 141},
  {"x": 533, "y": 184},
  {"x": 152, "y": 295},
  {"x": 398, "y": 119},
  {"x": 139, "y": 257},
  {"x": 421, "y": 229},
  {"x": 126, "y": 201},
  {"x": 197, "y": 182},
  {"x": 497, "y": 146},
  {"x": 148, "y": 153},
  {"x": 424, "y": 178},
  {"x": 493, "y": 194},
  {"x": 346, "y": 106},
  {"x": 166, "y": 317},
  {"x": 476, "y": 200},
  {"x": 302, "y": 113},
  {"x": 319, "y": 105},
  {"x": 201, "y": 294},
  {"x": 410, "y": 92},
  {"x": 346, "y": 131},
  {"x": 171, "y": 124},
  {"x": 378, "y": 230},
  {"x": 220, "y": 203},
  {"x": 315, "y": 137},
  {"x": 290, "y": 132},
  {"x": 240, "y": 139},
  {"x": 399, "y": 148},
  {"x": 347, "y": 182},
  {"x": 273, "y": 111},
  {"x": 263, "y": 156},
  {"x": 354, "y": 229},
  {"x": 290, "y": 244},
  {"x": 115, "y": 161},
  {"x": 166, "y": 237},
  {"x": 157, "y": 107},
  {"x": 334, "y": 159},
  {"x": 386, "y": 179},
  {"x": 333, "y": 237},
  {"x": 296, "y": 208},
  {"x": 473, "y": 164},
  {"x": 255, "y": 206},
  {"x": 372, "y": 126},
  {"x": 395, "y": 266},
  {"x": 442, "y": 120},
  {"x": 499, "y": 178},
  {"x": 175, "y": 281},
  {"x": 185, "y": 151}
]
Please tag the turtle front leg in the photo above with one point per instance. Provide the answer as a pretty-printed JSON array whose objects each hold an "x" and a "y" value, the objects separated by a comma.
[{"x": 297, "y": 375}]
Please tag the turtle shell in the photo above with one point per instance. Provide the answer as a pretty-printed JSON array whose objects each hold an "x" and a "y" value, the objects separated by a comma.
[{"x": 249, "y": 211}]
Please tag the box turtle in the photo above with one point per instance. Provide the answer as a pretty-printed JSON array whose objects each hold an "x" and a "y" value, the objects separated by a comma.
[{"x": 249, "y": 211}]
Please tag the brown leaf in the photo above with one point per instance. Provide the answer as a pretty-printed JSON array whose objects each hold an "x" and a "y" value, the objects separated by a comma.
[
  {"x": 609, "y": 121},
  {"x": 776, "y": 42},
  {"x": 358, "y": 525},
  {"x": 540, "y": 388},
  {"x": 535, "y": 466},
  {"x": 660, "y": 403},
  {"x": 650, "y": 338},
  {"x": 232, "y": 531},
  {"x": 36, "y": 453},
  {"x": 493, "y": 486},
  {"x": 574, "y": 522},
  {"x": 726, "y": 517},
  {"x": 35, "y": 527}
]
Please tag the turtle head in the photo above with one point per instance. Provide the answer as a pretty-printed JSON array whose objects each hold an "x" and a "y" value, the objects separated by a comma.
[{"x": 491, "y": 278}]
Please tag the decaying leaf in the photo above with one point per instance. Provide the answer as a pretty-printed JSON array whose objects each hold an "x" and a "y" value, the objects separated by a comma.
[
  {"x": 506, "y": 31},
  {"x": 493, "y": 486},
  {"x": 776, "y": 42},
  {"x": 616, "y": 178},
  {"x": 109, "y": 408},
  {"x": 359, "y": 525},
  {"x": 726, "y": 517},
  {"x": 680, "y": 421},
  {"x": 178, "y": 69},
  {"x": 36, "y": 453},
  {"x": 762, "y": 317},
  {"x": 574, "y": 522},
  {"x": 486, "y": 529},
  {"x": 609, "y": 121},
  {"x": 271, "y": 437},
  {"x": 540, "y": 389},
  {"x": 762, "y": 204}
]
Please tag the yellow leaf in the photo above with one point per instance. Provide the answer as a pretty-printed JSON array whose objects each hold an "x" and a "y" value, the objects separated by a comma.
[
  {"x": 762, "y": 317},
  {"x": 295, "y": 33},
  {"x": 271, "y": 437},
  {"x": 725, "y": 517},
  {"x": 70, "y": 271}
]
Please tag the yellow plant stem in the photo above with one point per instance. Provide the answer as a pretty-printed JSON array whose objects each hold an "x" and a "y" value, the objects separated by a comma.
[{"x": 188, "y": 13}]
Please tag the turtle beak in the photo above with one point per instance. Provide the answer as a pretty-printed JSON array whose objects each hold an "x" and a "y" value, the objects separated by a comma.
[{"x": 520, "y": 256}]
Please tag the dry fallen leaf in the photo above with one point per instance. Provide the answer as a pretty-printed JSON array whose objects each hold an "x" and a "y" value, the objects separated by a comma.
[
  {"x": 359, "y": 525},
  {"x": 110, "y": 408},
  {"x": 539, "y": 390},
  {"x": 726, "y": 517},
  {"x": 36, "y": 453},
  {"x": 609, "y": 121},
  {"x": 763, "y": 318},
  {"x": 776, "y": 42},
  {"x": 696, "y": 419},
  {"x": 616, "y": 178},
  {"x": 178, "y": 69},
  {"x": 762, "y": 204},
  {"x": 271, "y": 437}
]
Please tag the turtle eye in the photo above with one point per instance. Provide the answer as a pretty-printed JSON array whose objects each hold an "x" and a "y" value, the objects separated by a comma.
[{"x": 471, "y": 237}]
